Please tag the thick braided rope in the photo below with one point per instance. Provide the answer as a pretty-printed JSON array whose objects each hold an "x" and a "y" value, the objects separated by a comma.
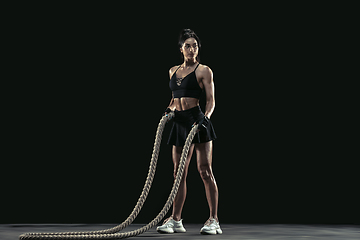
[{"x": 111, "y": 233}]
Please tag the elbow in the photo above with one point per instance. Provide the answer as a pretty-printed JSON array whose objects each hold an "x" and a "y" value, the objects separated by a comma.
[{"x": 211, "y": 102}]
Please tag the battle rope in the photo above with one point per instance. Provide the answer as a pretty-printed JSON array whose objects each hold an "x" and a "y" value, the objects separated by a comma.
[{"x": 112, "y": 233}]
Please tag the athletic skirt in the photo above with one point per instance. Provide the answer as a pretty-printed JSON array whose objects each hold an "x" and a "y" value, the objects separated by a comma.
[{"x": 183, "y": 121}]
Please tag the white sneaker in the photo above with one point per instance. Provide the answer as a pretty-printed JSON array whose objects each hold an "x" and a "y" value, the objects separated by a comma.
[
  {"x": 211, "y": 227},
  {"x": 171, "y": 226}
]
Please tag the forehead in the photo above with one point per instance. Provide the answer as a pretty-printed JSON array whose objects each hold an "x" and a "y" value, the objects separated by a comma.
[{"x": 190, "y": 41}]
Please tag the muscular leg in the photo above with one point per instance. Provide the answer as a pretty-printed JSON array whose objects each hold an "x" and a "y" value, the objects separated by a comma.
[
  {"x": 204, "y": 161},
  {"x": 181, "y": 194}
]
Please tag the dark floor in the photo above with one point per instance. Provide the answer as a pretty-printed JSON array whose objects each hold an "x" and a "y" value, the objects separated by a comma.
[{"x": 231, "y": 231}]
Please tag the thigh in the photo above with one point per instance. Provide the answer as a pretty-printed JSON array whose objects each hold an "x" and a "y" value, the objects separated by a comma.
[
  {"x": 176, "y": 155},
  {"x": 204, "y": 153}
]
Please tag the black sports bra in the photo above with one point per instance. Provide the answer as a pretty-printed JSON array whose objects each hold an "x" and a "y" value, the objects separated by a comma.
[{"x": 187, "y": 86}]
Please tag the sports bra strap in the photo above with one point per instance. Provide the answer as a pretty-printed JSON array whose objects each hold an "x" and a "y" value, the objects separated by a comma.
[
  {"x": 178, "y": 68},
  {"x": 196, "y": 67}
]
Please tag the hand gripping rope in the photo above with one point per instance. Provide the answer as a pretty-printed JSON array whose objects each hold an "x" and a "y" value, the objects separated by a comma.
[{"x": 113, "y": 233}]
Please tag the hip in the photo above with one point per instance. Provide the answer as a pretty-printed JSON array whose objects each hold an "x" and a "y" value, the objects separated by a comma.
[{"x": 188, "y": 116}]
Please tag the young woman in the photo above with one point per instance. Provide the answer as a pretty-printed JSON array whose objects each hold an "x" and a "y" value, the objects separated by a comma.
[{"x": 187, "y": 82}]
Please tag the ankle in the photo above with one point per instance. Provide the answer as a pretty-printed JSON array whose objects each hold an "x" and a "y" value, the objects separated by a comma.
[{"x": 176, "y": 218}]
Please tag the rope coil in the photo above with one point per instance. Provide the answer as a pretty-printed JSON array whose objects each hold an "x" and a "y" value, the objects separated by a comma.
[{"x": 113, "y": 233}]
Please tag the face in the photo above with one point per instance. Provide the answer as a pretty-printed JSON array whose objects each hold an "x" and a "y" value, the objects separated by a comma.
[{"x": 190, "y": 49}]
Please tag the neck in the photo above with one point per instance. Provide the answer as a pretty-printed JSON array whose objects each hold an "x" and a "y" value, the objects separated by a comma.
[{"x": 190, "y": 62}]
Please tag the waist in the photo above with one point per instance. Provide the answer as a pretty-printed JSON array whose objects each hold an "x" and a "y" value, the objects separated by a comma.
[
  {"x": 192, "y": 109},
  {"x": 185, "y": 103},
  {"x": 189, "y": 116}
]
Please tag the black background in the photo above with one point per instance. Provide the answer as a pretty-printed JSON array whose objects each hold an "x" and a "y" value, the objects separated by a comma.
[{"x": 92, "y": 87}]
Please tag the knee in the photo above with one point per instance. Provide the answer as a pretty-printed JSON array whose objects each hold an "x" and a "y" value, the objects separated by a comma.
[
  {"x": 183, "y": 176},
  {"x": 205, "y": 173}
]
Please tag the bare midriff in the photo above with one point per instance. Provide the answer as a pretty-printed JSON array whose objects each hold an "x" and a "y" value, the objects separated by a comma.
[{"x": 184, "y": 103}]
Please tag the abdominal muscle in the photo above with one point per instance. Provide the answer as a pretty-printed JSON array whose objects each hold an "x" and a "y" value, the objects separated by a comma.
[{"x": 184, "y": 103}]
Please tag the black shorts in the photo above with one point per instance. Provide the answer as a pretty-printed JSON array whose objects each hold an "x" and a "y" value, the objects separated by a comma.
[{"x": 183, "y": 121}]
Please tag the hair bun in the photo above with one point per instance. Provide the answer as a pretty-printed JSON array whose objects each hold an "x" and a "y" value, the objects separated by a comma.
[{"x": 187, "y": 30}]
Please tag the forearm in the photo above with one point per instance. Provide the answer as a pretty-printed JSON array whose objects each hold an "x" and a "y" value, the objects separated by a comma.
[{"x": 209, "y": 108}]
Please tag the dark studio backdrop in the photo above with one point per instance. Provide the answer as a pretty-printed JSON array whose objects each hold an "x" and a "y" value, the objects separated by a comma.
[{"x": 97, "y": 88}]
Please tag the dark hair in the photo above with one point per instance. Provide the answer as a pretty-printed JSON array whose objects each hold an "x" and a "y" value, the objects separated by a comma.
[{"x": 185, "y": 34}]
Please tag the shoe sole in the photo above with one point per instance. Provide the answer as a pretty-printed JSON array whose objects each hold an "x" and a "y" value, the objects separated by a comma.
[
  {"x": 214, "y": 232},
  {"x": 164, "y": 232}
]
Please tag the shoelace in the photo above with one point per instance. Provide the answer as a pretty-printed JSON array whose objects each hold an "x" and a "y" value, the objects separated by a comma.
[
  {"x": 210, "y": 221},
  {"x": 166, "y": 220}
]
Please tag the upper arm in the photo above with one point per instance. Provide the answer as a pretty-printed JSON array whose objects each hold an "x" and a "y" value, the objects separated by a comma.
[
  {"x": 171, "y": 72},
  {"x": 208, "y": 83}
]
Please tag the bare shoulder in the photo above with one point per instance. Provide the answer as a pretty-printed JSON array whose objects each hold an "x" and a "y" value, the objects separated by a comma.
[
  {"x": 204, "y": 71},
  {"x": 172, "y": 70}
]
